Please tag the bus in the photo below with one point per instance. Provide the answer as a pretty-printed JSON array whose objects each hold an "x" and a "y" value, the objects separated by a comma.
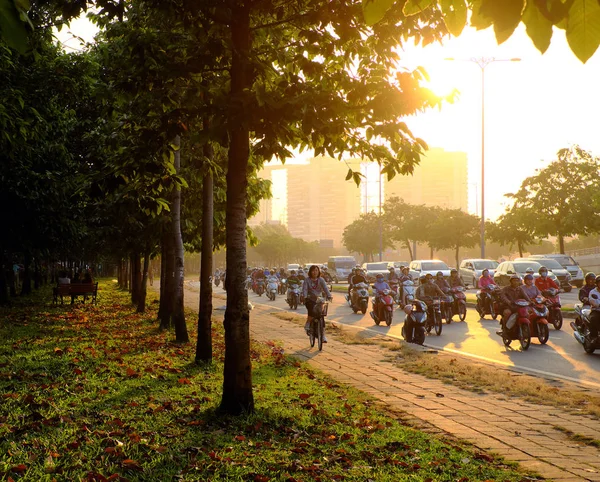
[{"x": 340, "y": 267}]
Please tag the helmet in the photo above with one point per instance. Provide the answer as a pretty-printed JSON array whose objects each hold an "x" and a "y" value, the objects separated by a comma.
[
  {"x": 453, "y": 271},
  {"x": 438, "y": 274},
  {"x": 391, "y": 268},
  {"x": 515, "y": 276},
  {"x": 357, "y": 266},
  {"x": 529, "y": 271},
  {"x": 542, "y": 269},
  {"x": 407, "y": 309},
  {"x": 428, "y": 276},
  {"x": 293, "y": 272},
  {"x": 528, "y": 277},
  {"x": 324, "y": 268},
  {"x": 379, "y": 276},
  {"x": 590, "y": 275},
  {"x": 404, "y": 268}
]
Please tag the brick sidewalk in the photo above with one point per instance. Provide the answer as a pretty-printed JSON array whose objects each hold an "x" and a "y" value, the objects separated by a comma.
[{"x": 517, "y": 430}]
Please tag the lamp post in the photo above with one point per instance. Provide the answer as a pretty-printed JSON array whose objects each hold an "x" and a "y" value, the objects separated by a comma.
[{"x": 482, "y": 63}]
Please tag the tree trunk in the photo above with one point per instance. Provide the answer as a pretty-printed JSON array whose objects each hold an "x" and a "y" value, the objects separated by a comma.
[
  {"x": 141, "y": 305},
  {"x": 136, "y": 278},
  {"x": 165, "y": 315},
  {"x": 456, "y": 255},
  {"x": 204, "y": 342},
  {"x": 162, "y": 304},
  {"x": 4, "y": 267},
  {"x": 178, "y": 316},
  {"x": 237, "y": 374},
  {"x": 410, "y": 252},
  {"x": 561, "y": 243},
  {"x": 430, "y": 252},
  {"x": 12, "y": 281},
  {"x": 37, "y": 274},
  {"x": 26, "y": 288},
  {"x": 520, "y": 248}
]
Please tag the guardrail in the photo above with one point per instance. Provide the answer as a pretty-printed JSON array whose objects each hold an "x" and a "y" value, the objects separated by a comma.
[{"x": 584, "y": 252}]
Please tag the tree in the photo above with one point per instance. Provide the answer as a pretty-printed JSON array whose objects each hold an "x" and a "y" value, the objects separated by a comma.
[
  {"x": 512, "y": 229},
  {"x": 561, "y": 199},
  {"x": 453, "y": 229},
  {"x": 579, "y": 18},
  {"x": 362, "y": 236}
]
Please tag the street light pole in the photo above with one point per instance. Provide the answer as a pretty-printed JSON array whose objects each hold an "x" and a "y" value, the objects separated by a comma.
[
  {"x": 483, "y": 62},
  {"x": 380, "y": 227}
]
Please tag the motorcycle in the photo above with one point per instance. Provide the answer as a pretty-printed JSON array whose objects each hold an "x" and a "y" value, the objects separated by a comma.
[
  {"x": 359, "y": 298},
  {"x": 260, "y": 287},
  {"x": 408, "y": 293},
  {"x": 272, "y": 288},
  {"x": 539, "y": 319},
  {"x": 434, "y": 316},
  {"x": 517, "y": 326},
  {"x": 488, "y": 301},
  {"x": 581, "y": 328},
  {"x": 217, "y": 279},
  {"x": 446, "y": 307},
  {"x": 553, "y": 303},
  {"x": 282, "y": 287},
  {"x": 395, "y": 291},
  {"x": 459, "y": 303},
  {"x": 248, "y": 283},
  {"x": 293, "y": 295},
  {"x": 383, "y": 307},
  {"x": 413, "y": 329},
  {"x": 317, "y": 325}
]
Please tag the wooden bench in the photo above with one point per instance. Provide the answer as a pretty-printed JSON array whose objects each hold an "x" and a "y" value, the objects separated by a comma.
[{"x": 74, "y": 290}]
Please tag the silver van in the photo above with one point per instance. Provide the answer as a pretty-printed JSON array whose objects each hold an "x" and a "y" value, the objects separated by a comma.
[{"x": 568, "y": 263}]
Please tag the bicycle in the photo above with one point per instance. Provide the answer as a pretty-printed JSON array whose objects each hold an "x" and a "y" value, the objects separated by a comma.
[{"x": 317, "y": 325}]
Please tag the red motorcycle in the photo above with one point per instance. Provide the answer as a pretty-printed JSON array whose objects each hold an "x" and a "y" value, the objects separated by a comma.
[
  {"x": 383, "y": 307},
  {"x": 517, "y": 327},
  {"x": 459, "y": 303},
  {"x": 538, "y": 316},
  {"x": 487, "y": 302},
  {"x": 553, "y": 303},
  {"x": 395, "y": 290}
]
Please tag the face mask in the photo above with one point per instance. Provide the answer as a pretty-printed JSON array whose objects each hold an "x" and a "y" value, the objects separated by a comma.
[{"x": 543, "y": 274}]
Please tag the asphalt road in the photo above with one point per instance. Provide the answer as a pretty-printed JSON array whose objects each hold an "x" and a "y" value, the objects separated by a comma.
[{"x": 561, "y": 357}]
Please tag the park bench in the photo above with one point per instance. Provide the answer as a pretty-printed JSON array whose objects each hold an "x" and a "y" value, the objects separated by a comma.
[{"x": 76, "y": 289}]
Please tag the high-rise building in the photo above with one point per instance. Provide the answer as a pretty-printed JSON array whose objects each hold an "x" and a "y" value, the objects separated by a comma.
[{"x": 441, "y": 179}]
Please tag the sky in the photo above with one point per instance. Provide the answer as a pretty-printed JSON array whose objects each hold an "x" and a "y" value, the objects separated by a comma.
[{"x": 533, "y": 107}]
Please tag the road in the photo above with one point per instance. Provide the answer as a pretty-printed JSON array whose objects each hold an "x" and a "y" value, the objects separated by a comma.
[{"x": 561, "y": 357}]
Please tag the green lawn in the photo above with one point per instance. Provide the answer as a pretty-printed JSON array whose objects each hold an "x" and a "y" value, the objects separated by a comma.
[{"x": 98, "y": 393}]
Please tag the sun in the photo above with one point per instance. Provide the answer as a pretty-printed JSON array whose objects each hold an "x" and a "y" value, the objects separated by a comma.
[{"x": 441, "y": 86}]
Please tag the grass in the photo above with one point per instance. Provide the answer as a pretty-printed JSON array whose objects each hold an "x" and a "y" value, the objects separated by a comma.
[
  {"x": 584, "y": 439},
  {"x": 97, "y": 393}
]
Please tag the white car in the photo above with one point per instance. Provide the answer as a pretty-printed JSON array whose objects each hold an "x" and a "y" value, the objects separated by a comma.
[
  {"x": 420, "y": 267},
  {"x": 470, "y": 269}
]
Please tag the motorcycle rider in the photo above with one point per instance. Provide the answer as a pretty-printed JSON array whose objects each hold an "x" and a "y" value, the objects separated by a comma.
[
  {"x": 313, "y": 287},
  {"x": 590, "y": 284},
  {"x": 428, "y": 289},
  {"x": 281, "y": 274},
  {"x": 405, "y": 274},
  {"x": 530, "y": 289},
  {"x": 358, "y": 277},
  {"x": 325, "y": 275},
  {"x": 594, "y": 301},
  {"x": 484, "y": 280},
  {"x": 508, "y": 296},
  {"x": 455, "y": 280},
  {"x": 301, "y": 275},
  {"x": 441, "y": 282},
  {"x": 379, "y": 285},
  {"x": 392, "y": 276},
  {"x": 543, "y": 282}
]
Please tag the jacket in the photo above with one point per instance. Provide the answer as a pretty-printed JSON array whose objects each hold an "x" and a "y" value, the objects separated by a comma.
[
  {"x": 485, "y": 281},
  {"x": 546, "y": 283}
]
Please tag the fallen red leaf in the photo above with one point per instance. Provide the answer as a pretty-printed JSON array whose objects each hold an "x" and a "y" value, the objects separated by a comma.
[
  {"x": 131, "y": 372},
  {"x": 78, "y": 371},
  {"x": 58, "y": 351},
  {"x": 185, "y": 381},
  {"x": 240, "y": 438},
  {"x": 304, "y": 396},
  {"x": 19, "y": 469}
]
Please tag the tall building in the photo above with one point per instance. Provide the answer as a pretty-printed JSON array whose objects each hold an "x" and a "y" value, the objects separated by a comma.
[
  {"x": 314, "y": 199},
  {"x": 441, "y": 179}
]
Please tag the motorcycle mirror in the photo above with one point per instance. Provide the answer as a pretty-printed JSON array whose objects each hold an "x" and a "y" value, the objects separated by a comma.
[{"x": 595, "y": 297}]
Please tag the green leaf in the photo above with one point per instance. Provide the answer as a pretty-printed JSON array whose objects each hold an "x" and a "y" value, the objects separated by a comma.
[
  {"x": 505, "y": 15},
  {"x": 413, "y": 7},
  {"x": 478, "y": 19},
  {"x": 538, "y": 27},
  {"x": 349, "y": 175},
  {"x": 583, "y": 28},
  {"x": 455, "y": 15},
  {"x": 12, "y": 29},
  {"x": 374, "y": 10}
]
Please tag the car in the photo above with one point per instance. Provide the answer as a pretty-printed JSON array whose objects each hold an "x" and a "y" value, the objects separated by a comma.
[
  {"x": 373, "y": 269},
  {"x": 554, "y": 267},
  {"x": 568, "y": 263},
  {"x": 293, "y": 266},
  {"x": 340, "y": 267},
  {"x": 508, "y": 268},
  {"x": 470, "y": 269},
  {"x": 397, "y": 264},
  {"x": 420, "y": 267}
]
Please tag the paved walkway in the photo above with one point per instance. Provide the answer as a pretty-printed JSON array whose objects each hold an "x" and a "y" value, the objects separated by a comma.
[{"x": 517, "y": 430}]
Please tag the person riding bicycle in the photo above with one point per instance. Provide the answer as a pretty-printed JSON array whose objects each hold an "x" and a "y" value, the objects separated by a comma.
[
  {"x": 544, "y": 282},
  {"x": 590, "y": 284},
  {"x": 313, "y": 287}
]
